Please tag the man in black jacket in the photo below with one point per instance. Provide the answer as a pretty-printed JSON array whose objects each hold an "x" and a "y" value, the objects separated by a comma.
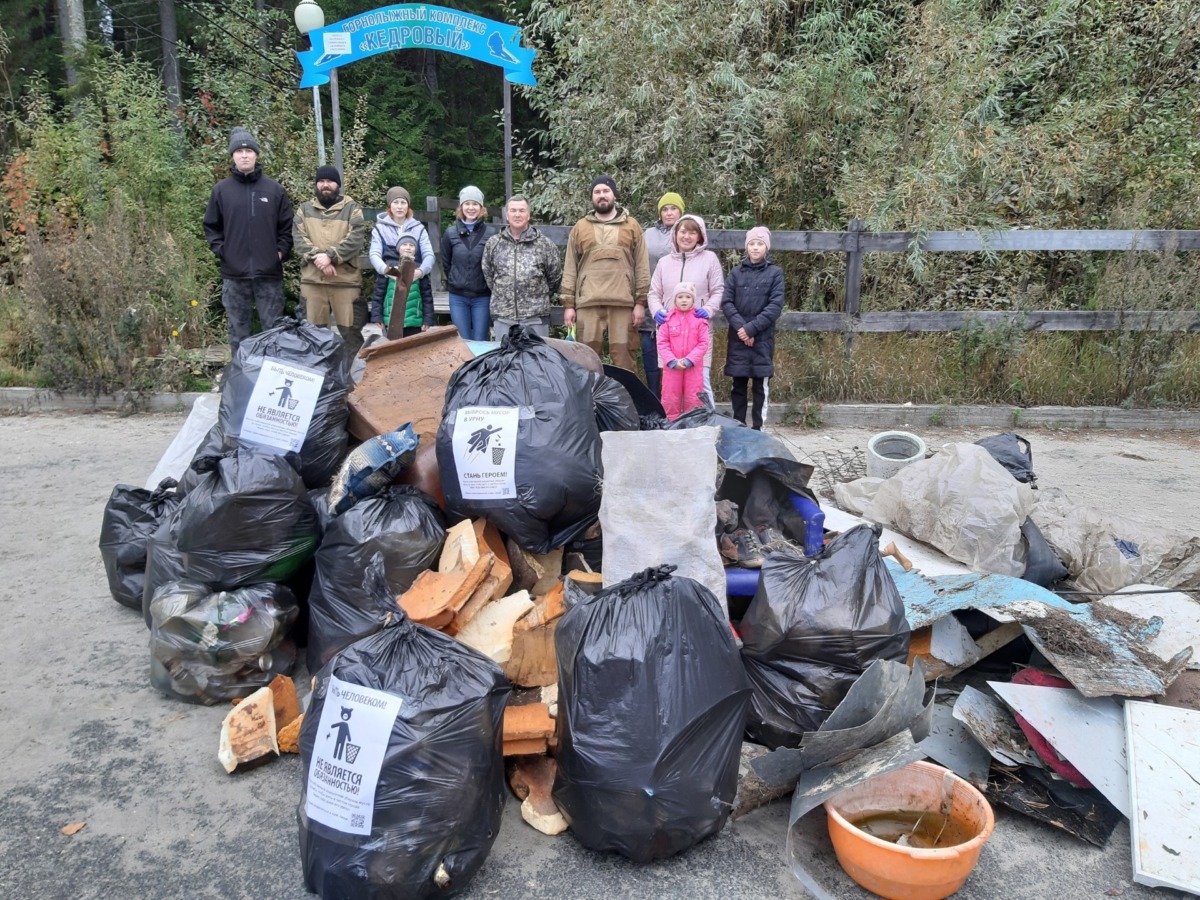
[{"x": 248, "y": 224}]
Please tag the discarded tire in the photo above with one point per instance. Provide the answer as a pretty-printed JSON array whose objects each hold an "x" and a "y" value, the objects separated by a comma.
[{"x": 890, "y": 451}]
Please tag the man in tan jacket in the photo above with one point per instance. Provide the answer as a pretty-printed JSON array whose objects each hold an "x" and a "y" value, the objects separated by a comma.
[
  {"x": 606, "y": 275},
  {"x": 329, "y": 234}
]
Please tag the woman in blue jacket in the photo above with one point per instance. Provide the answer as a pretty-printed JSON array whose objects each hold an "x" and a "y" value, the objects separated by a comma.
[{"x": 462, "y": 263}]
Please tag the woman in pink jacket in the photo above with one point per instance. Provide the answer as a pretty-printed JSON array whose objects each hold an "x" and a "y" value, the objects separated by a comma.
[
  {"x": 691, "y": 260},
  {"x": 684, "y": 339}
]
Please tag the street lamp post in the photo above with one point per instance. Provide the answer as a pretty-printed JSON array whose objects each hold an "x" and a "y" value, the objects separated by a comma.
[{"x": 310, "y": 17}]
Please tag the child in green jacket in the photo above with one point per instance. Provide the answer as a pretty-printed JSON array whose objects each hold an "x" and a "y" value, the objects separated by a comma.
[{"x": 418, "y": 306}]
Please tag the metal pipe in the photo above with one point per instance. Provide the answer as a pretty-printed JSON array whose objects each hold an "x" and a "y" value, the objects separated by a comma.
[
  {"x": 320, "y": 126},
  {"x": 337, "y": 121}
]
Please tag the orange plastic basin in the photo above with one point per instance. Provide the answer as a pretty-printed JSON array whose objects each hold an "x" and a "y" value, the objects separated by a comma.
[{"x": 900, "y": 872}]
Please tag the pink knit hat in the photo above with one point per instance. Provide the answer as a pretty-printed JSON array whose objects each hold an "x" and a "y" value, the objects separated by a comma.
[
  {"x": 684, "y": 287},
  {"x": 759, "y": 233}
]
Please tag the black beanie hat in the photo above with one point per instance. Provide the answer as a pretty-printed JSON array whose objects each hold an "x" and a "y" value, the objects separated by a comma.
[
  {"x": 240, "y": 139},
  {"x": 329, "y": 173},
  {"x": 605, "y": 179}
]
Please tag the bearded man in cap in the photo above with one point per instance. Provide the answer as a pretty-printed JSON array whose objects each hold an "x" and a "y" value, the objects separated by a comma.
[
  {"x": 248, "y": 225},
  {"x": 606, "y": 275},
  {"x": 330, "y": 233}
]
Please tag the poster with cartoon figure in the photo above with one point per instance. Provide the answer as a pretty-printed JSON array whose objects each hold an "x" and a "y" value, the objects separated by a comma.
[
  {"x": 281, "y": 405},
  {"x": 352, "y": 739},
  {"x": 485, "y": 451}
]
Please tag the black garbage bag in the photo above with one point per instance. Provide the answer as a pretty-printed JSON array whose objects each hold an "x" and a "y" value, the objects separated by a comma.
[
  {"x": 249, "y": 520},
  {"x": 652, "y": 705},
  {"x": 131, "y": 515},
  {"x": 403, "y": 773},
  {"x": 814, "y": 626},
  {"x": 1014, "y": 453},
  {"x": 211, "y": 646},
  {"x": 404, "y": 527},
  {"x": 296, "y": 361},
  {"x": 518, "y": 443},
  {"x": 164, "y": 562},
  {"x": 213, "y": 444},
  {"x": 615, "y": 410}
]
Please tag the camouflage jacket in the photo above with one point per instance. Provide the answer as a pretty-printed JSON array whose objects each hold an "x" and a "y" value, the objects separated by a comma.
[{"x": 523, "y": 272}]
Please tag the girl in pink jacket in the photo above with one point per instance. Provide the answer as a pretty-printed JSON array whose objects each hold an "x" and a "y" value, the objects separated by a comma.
[
  {"x": 690, "y": 260},
  {"x": 684, "y": 338}
]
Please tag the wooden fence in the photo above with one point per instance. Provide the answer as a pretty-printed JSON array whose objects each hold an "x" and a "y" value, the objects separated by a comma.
[{"x": 856, "y": 241}]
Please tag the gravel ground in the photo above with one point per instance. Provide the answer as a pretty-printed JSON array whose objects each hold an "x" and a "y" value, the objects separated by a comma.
[{"x": 88, "y": 740}]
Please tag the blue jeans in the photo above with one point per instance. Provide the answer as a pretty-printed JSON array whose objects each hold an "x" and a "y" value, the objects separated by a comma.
[{"x": 471, "y": 316}]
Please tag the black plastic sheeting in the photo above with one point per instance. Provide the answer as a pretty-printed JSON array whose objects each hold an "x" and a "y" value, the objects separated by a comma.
[
  {"x": 643, "y": 398},
  {"x": 404, "y": 527},
  {"x": 1014, "y": 453},
  {"x": 745, "y": 451},
  {"x": 247, "y": 520},
  {"x": 652, "y": 706},
  {"x": 299, "y": 343},
  {"x": 557, "y": 470},
  {"x": 813, "y": 628},
  {"x": 698, "y": 417},
  {"x": 214, "y": 646},
  {"x": 131, "y": 516},
  {"x": 1043, "y": 566},
  {"x": 441, "y": 791}
]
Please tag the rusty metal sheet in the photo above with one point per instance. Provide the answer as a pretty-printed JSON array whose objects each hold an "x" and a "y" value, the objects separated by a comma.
[{"x": 405, "y": 381}]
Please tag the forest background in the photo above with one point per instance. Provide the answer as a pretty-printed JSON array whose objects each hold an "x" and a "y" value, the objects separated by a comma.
[{"x": 912, "y": 115}]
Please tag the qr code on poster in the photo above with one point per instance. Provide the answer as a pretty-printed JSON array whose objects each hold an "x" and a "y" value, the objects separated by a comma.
[{"x": 356, "y": 820}]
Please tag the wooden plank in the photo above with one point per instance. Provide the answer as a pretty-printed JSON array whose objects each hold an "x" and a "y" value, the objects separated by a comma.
[
  {"x": 1017, "y": 240},
  {"x": 1179, "y": 612},
  {"x": 1163, "y": 744},
  {"x": 853, "y": 290},
  {"x": 1059, "y": 240}
]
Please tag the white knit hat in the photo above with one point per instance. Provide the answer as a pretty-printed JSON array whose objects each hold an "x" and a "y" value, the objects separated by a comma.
[{"x": 470, "y": 192}]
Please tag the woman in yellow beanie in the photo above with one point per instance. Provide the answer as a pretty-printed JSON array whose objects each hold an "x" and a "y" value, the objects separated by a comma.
[{"x": 658, "y": 245}]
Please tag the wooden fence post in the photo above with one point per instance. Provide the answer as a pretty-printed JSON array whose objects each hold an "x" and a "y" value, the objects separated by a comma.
[{"x": 853, "y": 279}]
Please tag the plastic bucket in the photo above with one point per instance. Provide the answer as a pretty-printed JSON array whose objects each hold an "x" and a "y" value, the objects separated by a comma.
[
  {"x": 905, "y": 872},
  {"x": 890, "y": 451}
]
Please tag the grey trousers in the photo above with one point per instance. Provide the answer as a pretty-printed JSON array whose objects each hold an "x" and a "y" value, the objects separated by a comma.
[
  {"x": 240, "y": 296},
  {"x": 540, "y": 325}
]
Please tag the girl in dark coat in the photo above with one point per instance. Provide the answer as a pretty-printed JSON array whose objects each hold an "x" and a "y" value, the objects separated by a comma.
[{"x": 752, "y": 303}]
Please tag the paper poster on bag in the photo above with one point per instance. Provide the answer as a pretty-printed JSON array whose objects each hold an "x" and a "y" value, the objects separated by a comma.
[
  {"x": 281, "y": 405},
  {"x": 485, "y": 451},
  {"x": 352, "y": 739}
]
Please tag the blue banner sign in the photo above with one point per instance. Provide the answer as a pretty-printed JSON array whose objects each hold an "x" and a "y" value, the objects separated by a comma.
[{"x": 410, "y": 25}]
